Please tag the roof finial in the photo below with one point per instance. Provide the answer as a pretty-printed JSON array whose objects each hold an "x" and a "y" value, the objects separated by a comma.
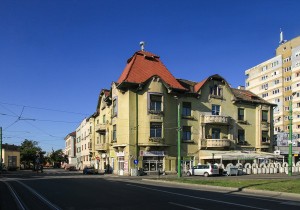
[{"x": 142, "y": 44}]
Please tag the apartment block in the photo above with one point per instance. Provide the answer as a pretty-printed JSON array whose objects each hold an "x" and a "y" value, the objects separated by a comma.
[{"x": 277, "y": 80}]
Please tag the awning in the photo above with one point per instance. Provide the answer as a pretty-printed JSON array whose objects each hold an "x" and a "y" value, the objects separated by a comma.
[{"x": 236, "y": 155}]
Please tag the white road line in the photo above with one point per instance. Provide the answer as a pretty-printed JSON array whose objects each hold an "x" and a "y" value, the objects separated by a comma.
[
  {"x": 39, "y": 196},
  {"x": 293, "y": 203},
  {"x": 188, "y": 207},
  {"x": 201, "y": 198},
  {"x": 21, "y": 206}
]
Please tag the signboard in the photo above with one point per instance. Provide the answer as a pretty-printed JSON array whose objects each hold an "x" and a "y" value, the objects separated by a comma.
[
  {"x": 136, "y": 162},
  {"x": 152, "y": 153},
  {"x": 120, "y": 154}
]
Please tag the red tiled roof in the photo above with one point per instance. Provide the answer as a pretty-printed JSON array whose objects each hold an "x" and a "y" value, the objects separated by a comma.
[
  {"x": 199, "y": 85},
  {"x": 144, "y": 65}
]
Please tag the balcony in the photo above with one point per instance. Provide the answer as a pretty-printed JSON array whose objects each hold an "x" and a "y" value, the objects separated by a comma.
[
  {"x": 216, "y": 143},
  {"x": 100, "y": 127},
  {"x": 264, "y": 126},
  {"x": 102, "y": 147},
  {"x": 156, "y": 140},
  {"x": 216, "y": 119}
]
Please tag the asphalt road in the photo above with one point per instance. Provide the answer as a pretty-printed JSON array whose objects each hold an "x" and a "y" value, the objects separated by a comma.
[{"x": 72, "y": 191}]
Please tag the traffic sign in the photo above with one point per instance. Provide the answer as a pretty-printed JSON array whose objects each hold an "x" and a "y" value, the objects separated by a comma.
[{"x": 136, "y": 162}]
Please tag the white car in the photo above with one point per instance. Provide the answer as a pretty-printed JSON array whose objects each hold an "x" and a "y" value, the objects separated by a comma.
[{"x": 203, "y": 170}]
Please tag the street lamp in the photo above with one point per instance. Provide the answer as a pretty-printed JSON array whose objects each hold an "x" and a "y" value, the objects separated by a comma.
[{"x": 178, "y": 138}]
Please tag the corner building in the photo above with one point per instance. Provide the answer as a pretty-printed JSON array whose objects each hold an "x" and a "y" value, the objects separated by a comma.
[{"x": 136, "y": 121}]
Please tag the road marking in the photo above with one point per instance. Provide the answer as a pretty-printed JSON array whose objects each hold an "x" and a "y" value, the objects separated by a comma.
[
  {"x": 19, "y": 203},
  {"x": 201, "y": 198},
  {"x": 293, "y": 203},
  {"x": 188, "y": 207},
  {"x": 39, "y": 196}
]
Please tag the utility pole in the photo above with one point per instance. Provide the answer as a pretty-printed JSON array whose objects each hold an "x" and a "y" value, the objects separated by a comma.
[
  {"x": 0, "y": 149},
  {"x": 178, "y": 141},
  {"x": 290, "y": 138}
]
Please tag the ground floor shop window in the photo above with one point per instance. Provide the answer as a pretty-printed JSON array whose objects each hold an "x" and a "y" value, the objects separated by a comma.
[{"x": 153, "y": 164}]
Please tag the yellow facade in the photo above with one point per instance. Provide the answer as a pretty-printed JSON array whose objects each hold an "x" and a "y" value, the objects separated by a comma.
[
  {"x": 11, "y": 158},
  {"x": 125, "y": 127}
]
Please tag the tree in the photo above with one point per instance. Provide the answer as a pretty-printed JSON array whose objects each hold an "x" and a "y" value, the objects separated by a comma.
[
  {"x": 57, "y": 157},
  {"x": 28, "y": 151}
]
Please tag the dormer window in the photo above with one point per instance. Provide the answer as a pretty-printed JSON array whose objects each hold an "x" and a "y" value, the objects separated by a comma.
[{"x": 216, "y": 91}]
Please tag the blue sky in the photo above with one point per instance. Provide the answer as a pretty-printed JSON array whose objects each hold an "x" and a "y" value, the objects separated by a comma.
[{"x": 56, "y": 56}]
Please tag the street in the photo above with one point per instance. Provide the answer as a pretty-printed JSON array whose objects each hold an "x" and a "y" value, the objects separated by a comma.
[{"x": 59, "y": 189}]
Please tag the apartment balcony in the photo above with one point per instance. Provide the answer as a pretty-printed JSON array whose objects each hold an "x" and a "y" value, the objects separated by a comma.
[
  {"x": 100, "y": 127},
  {"x": 216, "y": 119},
  {"x": 265, "y": 126},
  {"x": 102, "y": 147},
  {"x": 215, "y": 143}
]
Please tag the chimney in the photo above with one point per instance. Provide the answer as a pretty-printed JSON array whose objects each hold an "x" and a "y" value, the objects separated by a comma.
[{"x": 241, "y": 87}]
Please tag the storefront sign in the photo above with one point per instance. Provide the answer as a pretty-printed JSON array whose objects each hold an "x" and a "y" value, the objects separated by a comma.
[
  {"x": 120, "y": 154},
  {"x": 152, "y": 153}
]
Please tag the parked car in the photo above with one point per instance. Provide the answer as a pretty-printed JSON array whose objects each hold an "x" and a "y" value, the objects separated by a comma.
[
  {"x": 90, "y": 170},
  {"x": 203, "y": 170}
]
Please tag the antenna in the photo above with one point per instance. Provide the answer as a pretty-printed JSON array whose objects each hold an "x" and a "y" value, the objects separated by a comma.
[
  {"x": 281, "y": 40},
  {"x": 142, "y": 44}
]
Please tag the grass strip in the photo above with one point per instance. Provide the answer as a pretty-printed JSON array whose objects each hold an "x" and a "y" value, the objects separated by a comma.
[{"x": 289, "y": 186}]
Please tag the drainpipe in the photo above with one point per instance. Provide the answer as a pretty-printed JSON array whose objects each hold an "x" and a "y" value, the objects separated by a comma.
[{"x": 137, "y": 126}]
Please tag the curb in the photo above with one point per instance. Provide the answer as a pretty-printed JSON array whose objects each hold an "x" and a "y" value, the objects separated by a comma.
[{"x": 280, "y": 195}]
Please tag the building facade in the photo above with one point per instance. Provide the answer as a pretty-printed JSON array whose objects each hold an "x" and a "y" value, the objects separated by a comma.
[
  {"x": 145, "y": 115},
  {"x": 70, "y": 148},
  {"x": 277, "y": 80}
]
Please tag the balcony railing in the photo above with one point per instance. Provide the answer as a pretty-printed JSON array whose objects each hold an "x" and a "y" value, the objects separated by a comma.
[
  {"x": 265, "y": 126},
  {"x": 218, "y": 119},
  {"x": 100, "y": 127},
  {"x": 156, "y": 140},
  {"x": 220, "y": 143},
  {"x": 102, "y": 146}
]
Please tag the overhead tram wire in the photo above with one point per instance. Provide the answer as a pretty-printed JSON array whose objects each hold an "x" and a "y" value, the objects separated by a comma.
[{"x": 47, "y": 109}]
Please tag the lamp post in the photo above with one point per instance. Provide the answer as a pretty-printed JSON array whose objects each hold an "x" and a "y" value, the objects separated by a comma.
[
  {"x": 178, "y": 141},
  {"x": 290, "y": 138}
]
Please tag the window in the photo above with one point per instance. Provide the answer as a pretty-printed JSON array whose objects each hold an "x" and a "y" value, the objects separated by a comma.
[
  {"x": 264, "y": 117},
  {"x": 215, "y": 109},
  {"x": 241, "y": 136},
  {"x": 287, "y": 88},
  {"x": 103, "y": 118},
  {"x": 264, "y": 137},
  {"x": 241, "y": 114},
  {"x": 114, "y": 134},
  {"x": 276, "y": 82},
  {"x": 216, "y": 90},
  {"x": 115, "y": 107},
  {"x": 155, "y": 130},
  {"x": 186, "y": 133},
  {"x": 216, "y": 133},
  {"x": 12, "y": 161},
  {"x": 155, "y": 103},
  {"x": 186, "y": 109}
]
